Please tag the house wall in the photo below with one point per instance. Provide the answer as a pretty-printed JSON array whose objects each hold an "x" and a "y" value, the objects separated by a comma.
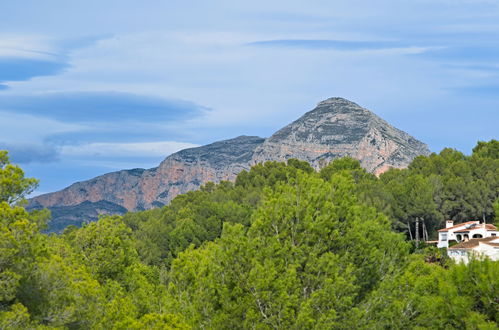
[
  {"x": 490, "y": 251},
  {"x": 451, "y": 236},
  {"x": 441, "y": 242},
  {"x": 482, "y": 250},
  {"x": 459, "y": 256},
  {"x": 472, "y": 232}
]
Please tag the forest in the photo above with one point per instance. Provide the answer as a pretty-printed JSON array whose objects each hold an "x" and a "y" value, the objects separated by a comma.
[{"x": 282, "y": 247}]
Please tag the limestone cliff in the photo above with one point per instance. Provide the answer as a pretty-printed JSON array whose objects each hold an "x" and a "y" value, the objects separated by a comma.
[{"x": 335, "y": 128}]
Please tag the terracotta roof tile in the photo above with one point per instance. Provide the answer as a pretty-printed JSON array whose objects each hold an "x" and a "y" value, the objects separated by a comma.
[
  {"x": 490, "y": 227},
  {"x": 474, "y": 242},
  {"x": 459, "y": 225}
]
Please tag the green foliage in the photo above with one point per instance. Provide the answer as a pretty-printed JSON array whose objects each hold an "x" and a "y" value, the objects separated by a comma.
[
  {"x": 465, "y": 187},
  {"x": 20, "y": 245},
  {"x": 13, "y": 185},
  {"x": 105, "y": 246},
  {"x": 282, "y": 247},
  {"x": 344, "y": 165},
  {"x": 448, "y": 185},
  {"x": 311, "y": 253},
  {"x": 496, "y": 210},
  {"x": 16, "y": 317},
  {"x": 487, "y": 149},
  {"x": 61, "y": 293},
  {"x": 425, "y": 295},
  {"x": 198, "y": 216},
  {"x": 154, "y": 322}
]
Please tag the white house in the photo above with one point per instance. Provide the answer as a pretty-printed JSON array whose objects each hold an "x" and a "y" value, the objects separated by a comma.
[
  {"x": 464, "y": 231},
  {"x": 478, "y": 247}
]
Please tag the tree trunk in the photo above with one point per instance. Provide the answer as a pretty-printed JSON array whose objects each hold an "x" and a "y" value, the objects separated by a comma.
[
  {"x": 425, "y": 232},
  {"x": 409, "y": 228},
  {"x": 417, "y": 231}
]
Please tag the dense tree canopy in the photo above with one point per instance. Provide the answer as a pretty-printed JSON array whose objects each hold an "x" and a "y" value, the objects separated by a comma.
[
  {"x": 13, "y": 185},
  {"x": 283, "y": 247}
]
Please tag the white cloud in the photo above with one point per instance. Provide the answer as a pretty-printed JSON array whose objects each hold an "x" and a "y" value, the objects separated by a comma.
[
  {"x": 129, "y": 150},
  {"x": 27, "y": 46},
  {"x": 20, "y": 128}
]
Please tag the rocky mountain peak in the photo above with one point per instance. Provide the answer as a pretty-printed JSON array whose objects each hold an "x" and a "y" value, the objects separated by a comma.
[
  {"x": 334, "y": 118},
  {"x": 337, "y": 102},
  {"x": 337, "y": 127},
  {"x": 335, "y": 106}
]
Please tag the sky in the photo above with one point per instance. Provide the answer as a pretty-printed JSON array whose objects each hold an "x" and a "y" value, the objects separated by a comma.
[{"x": 89, "y": 87}]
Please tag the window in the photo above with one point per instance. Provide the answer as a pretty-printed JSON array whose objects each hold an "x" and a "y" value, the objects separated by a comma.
[
  {"x": 494, "y": 234},
  {"x": 444, "y": 236}
]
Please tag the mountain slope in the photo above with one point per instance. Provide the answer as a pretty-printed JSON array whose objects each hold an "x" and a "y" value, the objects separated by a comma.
[{"x": 335, "y": 128}]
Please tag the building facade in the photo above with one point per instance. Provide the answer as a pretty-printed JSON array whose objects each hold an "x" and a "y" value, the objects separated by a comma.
[{"x": 464, "y": 232}]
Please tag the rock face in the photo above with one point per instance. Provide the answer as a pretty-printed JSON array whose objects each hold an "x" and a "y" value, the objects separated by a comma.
[
  {"x": 139, "y": 189},
  {"x": 335, "y": 128}
]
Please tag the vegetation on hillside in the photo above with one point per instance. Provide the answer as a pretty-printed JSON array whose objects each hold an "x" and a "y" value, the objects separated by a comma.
[{"x": 283, "y": 247}]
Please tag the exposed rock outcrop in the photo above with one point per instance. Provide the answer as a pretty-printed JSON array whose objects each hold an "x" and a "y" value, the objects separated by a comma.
[{"x": 335, "y": 128}]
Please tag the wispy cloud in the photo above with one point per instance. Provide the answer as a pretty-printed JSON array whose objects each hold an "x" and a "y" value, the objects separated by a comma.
[
  {"x": 330, "y": 44},
  {"x": 488, "y": 91},
  {"x": 28, "y": 129},
  {"x": 33, "y": 46},
  {"x": 475, "y": 52},
  {"x": 102, "y": 126},
  {"x": 24, "y": 153},
  {"x": 100, "y": 107},
  {"x": 139, "y": 149},
  {"x": 23, "y": 57},
  {"x": 20, "y": 69},
  {"x": 99, "y": 153}
]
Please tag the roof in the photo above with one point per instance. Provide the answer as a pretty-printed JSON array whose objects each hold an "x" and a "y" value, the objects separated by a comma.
[
  {"x": 459, "y": 225},
  {"x": 488, "y": 227},
  {"x": 492, "y": 244},
  {"x": 474, "y": 242}
]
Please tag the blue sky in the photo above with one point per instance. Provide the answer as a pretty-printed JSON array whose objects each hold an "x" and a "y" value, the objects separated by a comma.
[{"x": 88, "y": 87}]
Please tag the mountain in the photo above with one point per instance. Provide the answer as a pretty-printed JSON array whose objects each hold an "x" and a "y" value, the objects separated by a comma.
[{"x": 335, "y": 128}]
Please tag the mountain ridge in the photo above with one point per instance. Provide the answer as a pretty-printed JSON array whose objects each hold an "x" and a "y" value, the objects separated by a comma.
[{"x": 336, "y": 127}]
